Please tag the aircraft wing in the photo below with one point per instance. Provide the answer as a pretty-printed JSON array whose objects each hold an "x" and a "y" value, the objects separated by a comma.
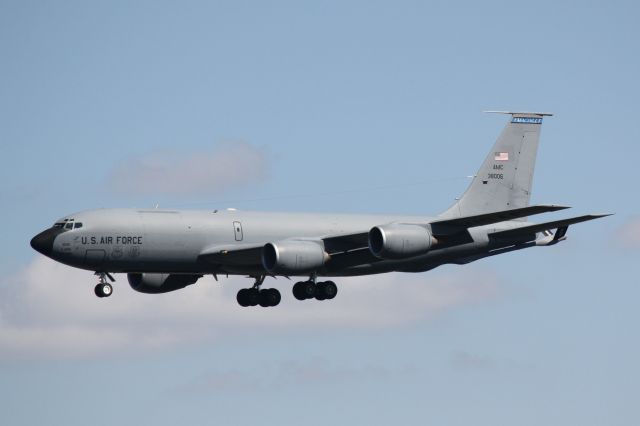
[
  {"x": 345, "y": 250},
  {"x": 233, "y": 255},
  {"x": 532, "y": 230},
  {"x": 348, "y": 242},
  {"x": 357, "y": 241},
  {"x": 353, "y": 249},
  {"x": 452, "y": 226},
  {"x": 349, "y": 250}
]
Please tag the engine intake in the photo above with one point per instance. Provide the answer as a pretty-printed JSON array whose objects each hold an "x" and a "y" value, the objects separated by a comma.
[
  {"x": 293, "y": 256},
  {"x": 153, "y": 283},
  {"x": 399, "y": 241}
]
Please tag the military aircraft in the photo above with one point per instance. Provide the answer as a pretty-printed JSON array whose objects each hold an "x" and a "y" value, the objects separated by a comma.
[{"x": 165, "y": 250}]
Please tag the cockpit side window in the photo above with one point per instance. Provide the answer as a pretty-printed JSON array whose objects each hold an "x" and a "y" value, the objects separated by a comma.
[
  {"x": 68, "y": 225},
  {"x": 78, "y": 225}
]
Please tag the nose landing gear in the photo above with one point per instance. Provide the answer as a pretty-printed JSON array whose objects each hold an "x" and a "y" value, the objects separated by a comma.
[{"x": 103, "y": 288}]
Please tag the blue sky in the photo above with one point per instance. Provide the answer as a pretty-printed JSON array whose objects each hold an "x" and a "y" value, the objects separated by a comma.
[{"x": 333, "y": 106}]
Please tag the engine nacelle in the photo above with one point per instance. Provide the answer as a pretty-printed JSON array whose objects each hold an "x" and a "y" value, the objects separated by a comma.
[
  {"x": 160, "y": 283},
  {"x": 290, "y": 257},
  {"x": 399, "y": 241}
]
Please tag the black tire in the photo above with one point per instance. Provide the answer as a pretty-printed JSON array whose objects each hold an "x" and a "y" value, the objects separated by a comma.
[
  {"x": 330, "y": 290},
  {"x": 269, "y": 297},
  {"x": 242, "y": 298},
  {"x": 320, "y": 292},
  {"x": 98, "y": 290},
  {"x": 298, "y": 291},
  {"x": 253, "y": 296},
  {"x": 308, "y": 289},
  {"x": 265, "y": 298},
  {"x": 276, "y": 297}
]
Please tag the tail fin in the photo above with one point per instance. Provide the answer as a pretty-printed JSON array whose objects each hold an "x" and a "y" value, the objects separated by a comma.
[{"x": 504, "y": 180}]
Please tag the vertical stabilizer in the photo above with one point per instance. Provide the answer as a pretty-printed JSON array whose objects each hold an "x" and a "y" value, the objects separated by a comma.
[{"x": 504, "y": 180}]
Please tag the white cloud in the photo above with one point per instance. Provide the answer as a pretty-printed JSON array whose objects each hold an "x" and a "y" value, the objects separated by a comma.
[
  {"x": 629, "y": 234},
  {"x": 49, "y": 310},
  {"x": 268, "y": 376},
  {"x": 227, "y": 165}
]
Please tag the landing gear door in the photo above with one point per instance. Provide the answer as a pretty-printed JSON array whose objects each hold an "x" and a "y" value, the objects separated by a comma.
[{"x": 237, "y": 230}]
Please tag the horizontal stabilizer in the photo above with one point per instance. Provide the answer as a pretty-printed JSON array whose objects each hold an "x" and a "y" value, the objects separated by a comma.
[
  {"x": 450, "y": 226},
  {"x": 531, "y": 230},
  {"x": 521, "y": 113}
]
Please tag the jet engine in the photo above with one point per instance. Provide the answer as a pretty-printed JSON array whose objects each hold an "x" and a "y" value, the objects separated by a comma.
[
  {"x": 293, "y": 256},
  {"x": 399, "y": 241},
  {"x": 153, "y": 283}
]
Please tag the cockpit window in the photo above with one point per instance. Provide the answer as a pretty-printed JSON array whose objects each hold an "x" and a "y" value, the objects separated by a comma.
[{"x": 67, "y": 224}]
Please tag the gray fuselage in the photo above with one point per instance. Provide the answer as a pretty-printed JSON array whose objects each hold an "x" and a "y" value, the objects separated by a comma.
[{"x": 172, "y": 241}]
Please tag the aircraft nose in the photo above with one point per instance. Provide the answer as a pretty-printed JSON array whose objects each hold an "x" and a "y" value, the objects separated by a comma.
[{"x": 43, "y": 242}]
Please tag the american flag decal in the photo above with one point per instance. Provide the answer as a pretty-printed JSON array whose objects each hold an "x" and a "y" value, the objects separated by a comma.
[{"x": 501, "y": 156}]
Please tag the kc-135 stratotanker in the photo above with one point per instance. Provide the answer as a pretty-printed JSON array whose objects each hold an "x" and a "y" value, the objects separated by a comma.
[{"x": 165, "y": 250}]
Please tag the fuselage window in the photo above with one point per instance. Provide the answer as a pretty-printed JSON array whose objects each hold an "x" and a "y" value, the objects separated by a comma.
[{"x": 78, "y": 225}]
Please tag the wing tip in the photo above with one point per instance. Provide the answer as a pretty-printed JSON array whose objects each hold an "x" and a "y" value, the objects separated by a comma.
[
  {"x": 557, "y": 206},
  {"x": 599, "y": 215},
  {"x": 550, "y": 207}
]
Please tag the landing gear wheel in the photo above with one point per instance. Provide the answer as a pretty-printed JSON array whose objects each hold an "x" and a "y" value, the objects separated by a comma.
[
  {"x": 276, "y": 297},
  {"x": 107, "y": 290},
  {"x": 269, "y": 297},
  {"x": 243, "y": 298},
  {"x": 298, "y": 291},
  {"x": 253, "y": 296},
  {"x": 256, "y": 296},
  {"x": 320, "y": 291},
  {"x": 308, "y": 289},
  {"x": 103, "y": 290},
  {"x": 330, "y": 290}
]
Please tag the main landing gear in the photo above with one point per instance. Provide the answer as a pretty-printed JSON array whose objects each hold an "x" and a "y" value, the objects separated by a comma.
[
  {"x": 311, "y": 289},
  {"x": 256, "y": 296},
  {"x": 104, "y": 289},
  {"x": 302, "y": 290}
]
